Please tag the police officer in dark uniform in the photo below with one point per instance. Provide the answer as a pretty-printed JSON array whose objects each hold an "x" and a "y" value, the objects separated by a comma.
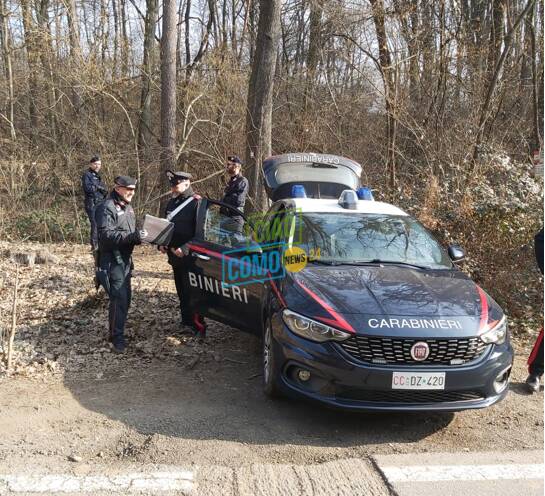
[
  {"x": 117, "y": 236},
  {"x": 178, "y": 254},
  {"x": 235, "y": 192},
  {"x": 95, "y": 192}
]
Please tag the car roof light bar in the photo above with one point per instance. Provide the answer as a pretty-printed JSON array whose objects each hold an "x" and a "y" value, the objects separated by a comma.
[
  {"x": 348, "y": 199},
  {"x": 365, "y": 193},
  {"x": 298, "y": 191}
]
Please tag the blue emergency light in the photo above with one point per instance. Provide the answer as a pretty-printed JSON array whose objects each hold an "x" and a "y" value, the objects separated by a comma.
[
  {"x": 365, "y": 193},
  {"x": 298, "y": 191}
]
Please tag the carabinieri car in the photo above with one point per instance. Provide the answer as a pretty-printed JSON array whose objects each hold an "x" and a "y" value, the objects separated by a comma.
[{"x": 358, "y": 305}]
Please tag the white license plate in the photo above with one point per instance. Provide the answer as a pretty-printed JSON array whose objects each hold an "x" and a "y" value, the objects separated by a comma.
[{"x": 418, "y": 380}]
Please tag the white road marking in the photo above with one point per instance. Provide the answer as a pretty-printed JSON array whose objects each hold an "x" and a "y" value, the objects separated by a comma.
[
  {"x": 434, "y": 473},
  {"x": 179, "y": 480}
]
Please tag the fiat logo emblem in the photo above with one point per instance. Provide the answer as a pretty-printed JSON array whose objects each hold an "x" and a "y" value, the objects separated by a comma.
[{"x": 420, "y": 351}]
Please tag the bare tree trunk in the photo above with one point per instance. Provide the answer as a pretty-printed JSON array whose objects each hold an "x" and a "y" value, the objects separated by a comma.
[
  {"x": 46, "y": 55},
  {"x": 145, "y": 135},
  {"x": 32, "y": 58},
  {"x": 485, "y": 109},
  {"x": 537, "y": 135},
  {"x": 13, "y": 319},
  {"x": 168, "y": 86},
  {"x": 260, "y": 92},
  {"x": 73, "y": 28},
  {"x": 389, "y": 90},
  {"x": 5, "y": 41},
  {"x": 314, "y": 47},
  {"x": 124, "y": 39},
  {"x": 115, "y": 15}
]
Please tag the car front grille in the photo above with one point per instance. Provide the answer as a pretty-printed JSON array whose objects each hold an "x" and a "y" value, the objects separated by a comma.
[
  {"x": 409, "y": 396},
  {"x": 381, "y": 350}
]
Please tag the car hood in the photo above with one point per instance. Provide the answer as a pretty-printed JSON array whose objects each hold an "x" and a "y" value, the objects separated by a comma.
[{"x": 394, "y": 299}]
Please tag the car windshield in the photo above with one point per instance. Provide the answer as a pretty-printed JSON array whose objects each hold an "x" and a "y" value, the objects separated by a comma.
[{"x": 365, "y": 238}]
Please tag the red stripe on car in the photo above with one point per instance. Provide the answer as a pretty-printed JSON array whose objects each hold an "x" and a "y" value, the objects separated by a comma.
[
  {"x": 484, "y": 309},
  {"x": 337, "y": 319}
]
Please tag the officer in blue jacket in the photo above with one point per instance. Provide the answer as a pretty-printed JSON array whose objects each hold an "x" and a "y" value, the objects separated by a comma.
[
  {"x": 95, "y": 192},
  {"x": 117, "y": 236}
]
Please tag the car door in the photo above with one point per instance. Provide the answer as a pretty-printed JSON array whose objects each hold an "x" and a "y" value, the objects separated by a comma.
[{"x": 221, "y": 286}]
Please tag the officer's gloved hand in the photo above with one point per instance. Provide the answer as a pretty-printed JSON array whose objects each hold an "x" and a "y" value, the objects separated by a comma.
[{"x": 135, "y": 238}]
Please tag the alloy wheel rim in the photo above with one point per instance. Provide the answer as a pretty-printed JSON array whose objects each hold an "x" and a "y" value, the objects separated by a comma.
[{"x": 266, "y": 354}]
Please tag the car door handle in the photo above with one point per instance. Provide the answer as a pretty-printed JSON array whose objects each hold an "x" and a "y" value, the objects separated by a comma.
[{"x": 198, "y": 255}]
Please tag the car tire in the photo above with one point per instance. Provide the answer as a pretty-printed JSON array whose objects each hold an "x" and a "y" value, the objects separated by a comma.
[{"x": 270, "y": 378}]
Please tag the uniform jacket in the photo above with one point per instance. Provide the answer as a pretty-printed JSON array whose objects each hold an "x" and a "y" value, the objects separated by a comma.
[
  {"x": 93, "y": 187},
  {"x": 184, "y": 222},
  {"x": 236, "y": 191},
  {"x": 116, "y": 225}
]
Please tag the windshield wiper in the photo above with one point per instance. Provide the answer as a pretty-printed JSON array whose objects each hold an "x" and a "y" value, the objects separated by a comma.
[
  {"x": 393, "y": 262},
  {"x": 325, "y": 262},
  {"x": 375, "y": 261}
]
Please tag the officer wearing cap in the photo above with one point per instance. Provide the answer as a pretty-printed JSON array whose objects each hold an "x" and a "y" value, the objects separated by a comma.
[
  {"x": 117, "y": 236},
  {"x": 236, "y": 189},
  {"x": 178, "y": 254},
  {"x": 95, "y": 191}
]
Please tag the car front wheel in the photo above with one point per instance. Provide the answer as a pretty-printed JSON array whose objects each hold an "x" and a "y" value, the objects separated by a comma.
[{"x": 269, "y": 365}]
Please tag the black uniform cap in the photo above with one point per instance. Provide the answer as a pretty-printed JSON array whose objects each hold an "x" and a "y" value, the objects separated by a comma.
[
  {"x": 125, "y": 181},
  {"x": 235, "y": 159},
  {"x": 94, "y": 158},
  {"x": 175, "y": 177}
]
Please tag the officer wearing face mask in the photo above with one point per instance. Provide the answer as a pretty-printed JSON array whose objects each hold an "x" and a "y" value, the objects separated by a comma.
[
  {"x": 178, "y": 254},
  {"x": 117, "y": 237}
]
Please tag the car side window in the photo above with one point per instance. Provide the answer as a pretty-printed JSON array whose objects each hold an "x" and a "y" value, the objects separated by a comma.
[{"x": 222, "y": 226}]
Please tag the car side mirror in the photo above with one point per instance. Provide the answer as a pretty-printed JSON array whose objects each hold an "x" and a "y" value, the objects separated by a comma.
[{"x": 456, "y": 253}]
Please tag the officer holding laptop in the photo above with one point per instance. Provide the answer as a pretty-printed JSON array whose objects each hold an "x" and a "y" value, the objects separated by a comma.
[
  {"x": 117, "y": 237},
  {"x": 181, "y": 210}
]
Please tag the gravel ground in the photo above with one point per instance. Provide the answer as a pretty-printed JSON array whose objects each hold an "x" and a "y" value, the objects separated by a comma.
[{"x": 173, "y": 400}]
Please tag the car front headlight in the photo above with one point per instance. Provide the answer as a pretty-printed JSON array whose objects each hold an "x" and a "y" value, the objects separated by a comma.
[
  {"x": 497, "y": 334},
  {"x": 311, "y": 329}
]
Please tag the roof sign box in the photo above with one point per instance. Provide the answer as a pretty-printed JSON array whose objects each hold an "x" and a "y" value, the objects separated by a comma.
[{"x": 321, "y": 175}]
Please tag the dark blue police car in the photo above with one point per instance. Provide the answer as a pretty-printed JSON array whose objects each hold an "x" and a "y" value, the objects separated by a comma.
[{"x": 358, "y": 305}]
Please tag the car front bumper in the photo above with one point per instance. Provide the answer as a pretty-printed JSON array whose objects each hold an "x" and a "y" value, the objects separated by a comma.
[{"x": 338, "y": 380}]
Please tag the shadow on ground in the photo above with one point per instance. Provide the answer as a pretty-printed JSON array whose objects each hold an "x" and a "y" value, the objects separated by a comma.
[{"x": 220, "y": 397}]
